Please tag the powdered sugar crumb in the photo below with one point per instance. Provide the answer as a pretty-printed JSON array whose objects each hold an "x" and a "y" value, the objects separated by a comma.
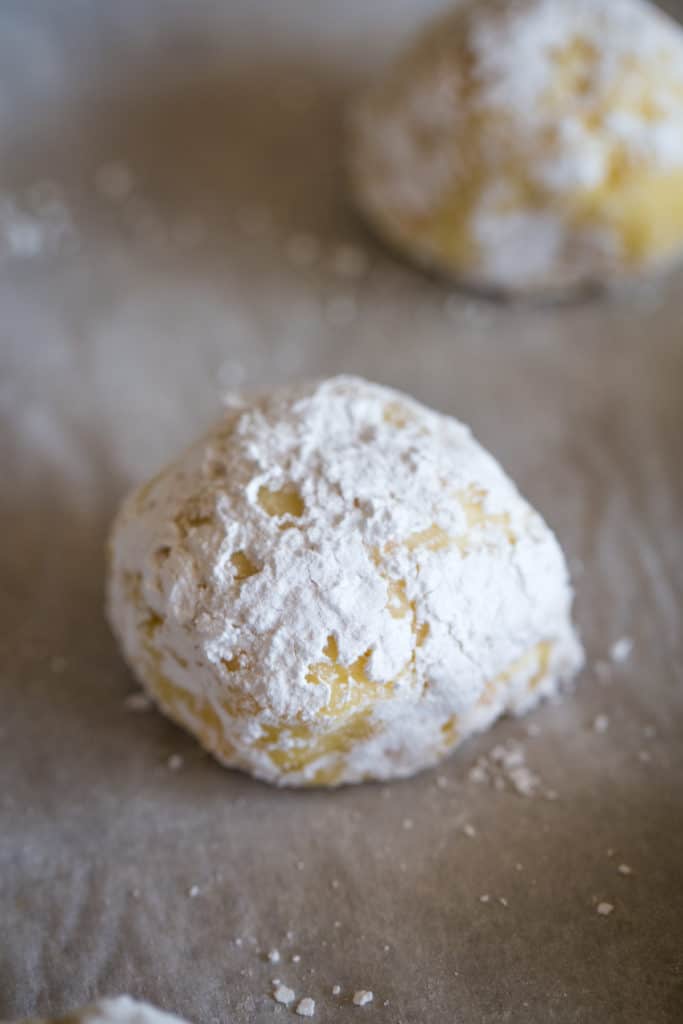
[
  {"x": 621, "y": 650},
  {"x": 362, "y": 997}
]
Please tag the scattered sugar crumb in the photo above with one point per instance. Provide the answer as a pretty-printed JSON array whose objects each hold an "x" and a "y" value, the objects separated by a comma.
[
  {"x": 505, "y": 768},
  {"x": 335, "y": 883},
  {"x": 625, "y": 869},
  {"x": 193, "y": 891},
  {"x": 274, "y": 956},
  {"x": 645, "y": 756},
  {"x": 620, "y": 651},
  {"x": 519, "y": 866},
  {"x": 337, "y": 924},
  {"x": 114, "y": 180},
  {"x": 408, "y": 824},
  {"x": 604, "y": 909},
  {"x": 175, "y": 762},
  {"x": 336, "y": 989},
  {"x": 296, "y": 959},
  {"x": 300, "y": 865},
  {"x": 238, "y": 942},
  {"x": 484, "y": 898},
  {"x": 137, "y": 702},
  {"x": 306, "y": 1007},
  {"x": 362, "y": 997},
  {"x": 290, "y": 936},
  {"x": 282, "y": 994},
  {"x": 387, "y": 947},
  {"x": 469, "y": 830},
  {"x": 600, "y": 723},
  {"x": 503, "y": 901}
]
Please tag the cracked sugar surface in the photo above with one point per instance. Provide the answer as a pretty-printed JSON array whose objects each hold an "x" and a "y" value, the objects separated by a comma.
[{"x": 336, "y": 583}]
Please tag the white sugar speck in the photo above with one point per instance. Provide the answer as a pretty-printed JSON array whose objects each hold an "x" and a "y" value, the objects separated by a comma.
[
  {"x": 484, "y": 898},
  {"x": 296, "y": 959},
  {"x": 625, "y": 869},
  {"x": 362, "y": 997},
  {"x": 175, "y": 763},
  {"x": 335, "y": 883},
  {"x": 336, "y": 989},
  {"x": 503, "y": 901},
  {"x": 645, "y": 756},
  {"x": 600, "y": 723},
  {"x": 469, "y": 830},
  {"x": 274, "y": 956},
  {"x": 306, "y": 1007},
  {"x": 604, "y": 909},
  {"x": 620, "y": 651},
  {"x": 408, "y": 824},
  {"x": 282, "y": 994},
  {"x": 193, "y": 891}
]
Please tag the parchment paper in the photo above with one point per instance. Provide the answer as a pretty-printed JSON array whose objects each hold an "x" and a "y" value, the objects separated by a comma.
[{"x": 118, "y": 333}]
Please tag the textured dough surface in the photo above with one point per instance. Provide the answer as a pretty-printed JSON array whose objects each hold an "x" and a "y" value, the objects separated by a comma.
[
  {"x": 116, "y": 1010},
  {"x": 530, "y": 145},
  {"x": 337, "y": 584}
]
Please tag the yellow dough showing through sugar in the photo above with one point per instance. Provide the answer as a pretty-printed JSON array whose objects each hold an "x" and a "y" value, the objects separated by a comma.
[{"x": 530, "y": 144}]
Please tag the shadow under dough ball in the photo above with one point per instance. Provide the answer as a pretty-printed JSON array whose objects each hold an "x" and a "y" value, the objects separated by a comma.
[
  {"x": 529, "y": 146},
  {"x": 337, "y": 584}
]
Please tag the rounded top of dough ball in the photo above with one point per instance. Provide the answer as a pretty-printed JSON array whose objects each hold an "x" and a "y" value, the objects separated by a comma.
[
  {"x": 113, "y": 1010},
  {"x": 530, "y": 145},
  {"x": 331, "y": 575}
]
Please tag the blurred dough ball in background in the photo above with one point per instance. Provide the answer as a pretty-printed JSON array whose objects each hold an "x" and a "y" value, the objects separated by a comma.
[
  {"x": 337, "y": 584},
  {"x": 529, "y": 145},
  {"x": 115, "y": 1010}
]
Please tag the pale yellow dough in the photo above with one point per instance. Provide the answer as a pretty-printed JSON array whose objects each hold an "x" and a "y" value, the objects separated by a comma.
[{"x": 528, "y": 145}]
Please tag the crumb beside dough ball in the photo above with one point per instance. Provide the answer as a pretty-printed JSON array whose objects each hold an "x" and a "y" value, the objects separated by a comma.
[
  {"x": 530, "y": 145},
  {"x": 115, "y": 1010},
  {"x": 338, "y": 584}
]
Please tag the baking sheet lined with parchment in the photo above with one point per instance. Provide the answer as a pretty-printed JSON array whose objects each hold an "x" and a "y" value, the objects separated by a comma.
[{"x": 173, "y": 225}]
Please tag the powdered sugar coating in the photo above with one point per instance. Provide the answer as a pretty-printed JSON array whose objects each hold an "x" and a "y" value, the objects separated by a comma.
[
  {"x": 120, "y": 1010},
  {"x": 530, "y": 144},
  {"x": 336, "y": 584}
]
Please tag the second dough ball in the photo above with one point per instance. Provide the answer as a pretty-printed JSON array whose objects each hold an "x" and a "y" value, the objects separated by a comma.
[{"x": 530, "y": 145}]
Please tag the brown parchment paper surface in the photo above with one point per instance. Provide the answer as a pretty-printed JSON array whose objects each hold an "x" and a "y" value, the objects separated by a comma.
[{"x": 117, "y": 337}]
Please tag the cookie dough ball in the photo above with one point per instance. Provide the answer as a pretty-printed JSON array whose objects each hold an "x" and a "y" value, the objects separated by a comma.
[
  {"x": 337, "y": 584},
  {"x": 530, "y": 145},
  {"x": 118, "y": 1010}
]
